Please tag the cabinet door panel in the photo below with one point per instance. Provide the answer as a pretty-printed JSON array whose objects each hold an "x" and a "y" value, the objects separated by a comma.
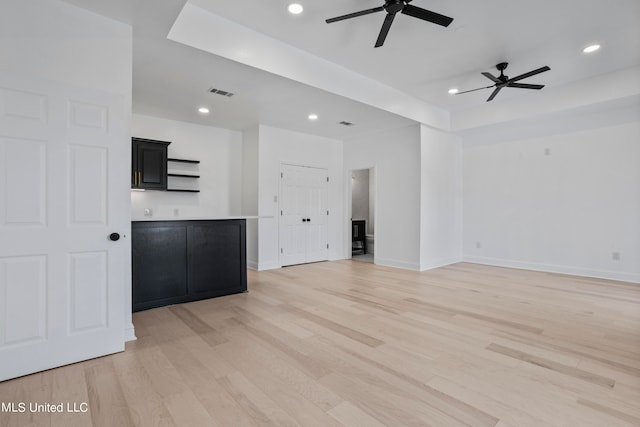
[
  {"x": 152, "y": 172},
  {"x": 159, "y": 263},
  {"x": 217, "y": 260}
]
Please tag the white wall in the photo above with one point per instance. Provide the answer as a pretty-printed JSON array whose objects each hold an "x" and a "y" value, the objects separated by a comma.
[
  {"x": 278, "y": 146},
  {"x": 58, "y": 42},
  {"x": 53, "y": 41},
  {"x": 250, "y": 192},
  {"x": 561, "y": 203},
  {"x": 220, "y": 154},
  {"x": 371, "y": 227},
  {"x": 440, "y": 198},
  {"x": 395, "y": 154}
]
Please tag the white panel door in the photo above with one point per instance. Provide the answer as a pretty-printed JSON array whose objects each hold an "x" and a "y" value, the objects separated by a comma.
[
  {"x": 292, "y": 212},
  {"x": 303, "y": 215},
  {"x": 64, "y": 159},
  {"x": 317, "y": 211}
]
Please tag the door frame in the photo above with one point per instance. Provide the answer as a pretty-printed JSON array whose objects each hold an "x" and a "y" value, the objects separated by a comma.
[{"x": 349, "y": 209}]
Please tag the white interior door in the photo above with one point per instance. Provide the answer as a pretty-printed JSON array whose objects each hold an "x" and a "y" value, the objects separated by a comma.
[
  {"x": 292, "y": 212},
  {"x": 317, "y": 211},
  {"x": 303, "y": 215},
  {"x": 64, "y": 156}
]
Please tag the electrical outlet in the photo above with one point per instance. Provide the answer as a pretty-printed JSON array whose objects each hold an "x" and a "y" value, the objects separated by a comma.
[
  {"x": 615, "y": 256},
  {"x": 547, "y": 151},
  {"x": 148, "y": 212},
  {"x": 478, "y": 245},
  {"x": 176, "y": 212}
]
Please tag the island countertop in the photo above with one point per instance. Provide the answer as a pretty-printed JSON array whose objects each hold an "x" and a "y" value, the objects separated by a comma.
[{"x": 204, "y": 218}]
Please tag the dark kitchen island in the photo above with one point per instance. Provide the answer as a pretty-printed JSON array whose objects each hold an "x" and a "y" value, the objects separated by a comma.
[{"x": 187, "y": 260}]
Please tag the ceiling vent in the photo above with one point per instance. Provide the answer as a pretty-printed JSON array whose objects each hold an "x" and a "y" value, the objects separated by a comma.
[
  {"x": 343, "y": 123},
  {"x": 221, "y": 92}
]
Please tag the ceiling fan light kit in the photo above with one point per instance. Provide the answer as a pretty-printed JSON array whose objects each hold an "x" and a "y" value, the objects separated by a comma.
[{"x": 392, "y": 7}]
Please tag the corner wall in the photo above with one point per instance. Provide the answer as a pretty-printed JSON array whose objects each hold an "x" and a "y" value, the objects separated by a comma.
[
  {"x": 395, "y": 154},
  {"x": 440, "y": 198},
  {"x": 565, "y": 203},
  {"x": 250, "y": 162}
]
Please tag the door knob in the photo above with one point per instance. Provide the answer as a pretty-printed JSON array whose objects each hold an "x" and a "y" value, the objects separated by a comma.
[
  {"x": 308, "y": 219},
  {"x": 114, "y": 237},
  {"x": 304, "y": 220}
]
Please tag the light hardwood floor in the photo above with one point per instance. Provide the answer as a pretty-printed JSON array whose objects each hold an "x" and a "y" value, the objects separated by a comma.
[{"x": 353, "y": 344}]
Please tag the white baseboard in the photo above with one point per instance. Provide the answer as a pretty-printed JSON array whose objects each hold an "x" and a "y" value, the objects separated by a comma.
[
  {"x": 551, "y": 268},
  {"x": 253, "y": 265},
  {"x": 130, "y": 333},
  {"x": 439, "y": 263},
  {"x": 268, "y": 266},
  {"x": 397, "y": 264}
]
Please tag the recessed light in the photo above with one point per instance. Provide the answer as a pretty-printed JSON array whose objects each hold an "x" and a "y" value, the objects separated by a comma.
[
  {"x": 592, "y": 48},
  {"x": 295, "y": 8},
  {"x": 203, "y": 110},
  {"x": 313, "y": 117},
  {"x": 453, "y": 91}
]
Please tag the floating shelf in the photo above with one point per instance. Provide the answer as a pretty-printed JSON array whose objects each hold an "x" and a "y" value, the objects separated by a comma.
[
  {"x": 182, "y": 175},
  {"x": 189, "y": 174},
  {"x": 183, "y": 161}
]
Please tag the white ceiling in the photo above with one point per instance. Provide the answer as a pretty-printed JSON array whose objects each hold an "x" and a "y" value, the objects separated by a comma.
[{"x": 420, "y": 59}]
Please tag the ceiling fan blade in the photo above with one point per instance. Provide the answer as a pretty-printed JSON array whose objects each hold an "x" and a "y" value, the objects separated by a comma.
[
  {"x": 529, "y": 74},
  {"x": 355, "y": 14},
  {"x": 426, "y": 15},
  {"x": 473, "y": 90},
  {"x": 494, "y": 93},
  {"x": 525, "y": 86},
  {"x": 386, "y": 25},
  {"x": 491, "y": 77}
]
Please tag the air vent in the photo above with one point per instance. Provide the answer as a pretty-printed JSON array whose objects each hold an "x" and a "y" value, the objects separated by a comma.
[
  {"x": 343, "y": 123},
  {"x": 221, "y": 92}
]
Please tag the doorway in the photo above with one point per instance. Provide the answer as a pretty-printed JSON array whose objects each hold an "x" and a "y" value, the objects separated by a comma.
[{"x": 363, "y": 197}]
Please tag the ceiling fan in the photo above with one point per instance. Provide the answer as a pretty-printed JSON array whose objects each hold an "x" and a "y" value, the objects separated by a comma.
[
  {"x": 504, "y": 81},
  {"x": 392, "y": 7}
]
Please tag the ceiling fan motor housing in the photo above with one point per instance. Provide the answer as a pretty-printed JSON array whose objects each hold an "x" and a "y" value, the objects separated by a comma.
[
  {"x": 394, "y": 6},
  {"x": 501, "y": 67}
]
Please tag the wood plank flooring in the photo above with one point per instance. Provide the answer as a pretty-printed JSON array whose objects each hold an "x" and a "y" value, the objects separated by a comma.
[{"x": 353, "y": 344}]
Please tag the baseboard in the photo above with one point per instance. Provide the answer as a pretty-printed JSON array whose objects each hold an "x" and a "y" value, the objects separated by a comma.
[
  {"x": 551, "y": 268},
  {"x": 253, "y": 265},
  {"x": 268, "y": 266},
  {"x": 397, "y": 264},
  {"x": 439, "y": 263},
  {"x": 130, "y": 333}
]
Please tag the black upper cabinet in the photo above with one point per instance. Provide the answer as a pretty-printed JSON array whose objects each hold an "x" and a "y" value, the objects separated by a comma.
[{"x": 149, "y": 164}]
